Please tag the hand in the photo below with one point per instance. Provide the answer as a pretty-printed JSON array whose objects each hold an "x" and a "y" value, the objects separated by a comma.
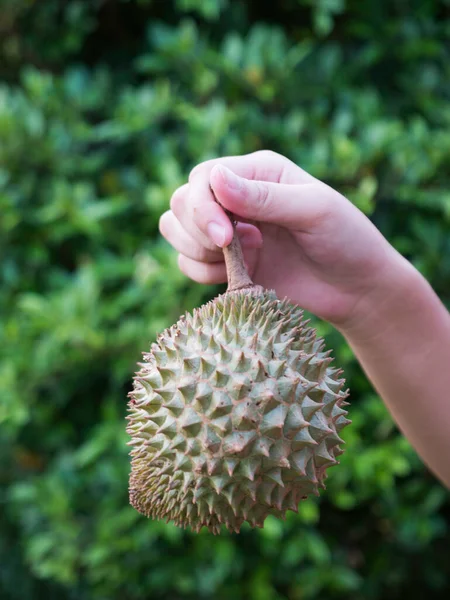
[
  {"x": 310, "y": 244},
  {"x": 299, "y": 236}
]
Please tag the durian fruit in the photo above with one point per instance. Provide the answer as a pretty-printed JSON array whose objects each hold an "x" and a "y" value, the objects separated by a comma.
[{"x": 235, "y": 413}]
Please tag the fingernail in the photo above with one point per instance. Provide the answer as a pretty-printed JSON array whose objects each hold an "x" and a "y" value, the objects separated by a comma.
[
  {"x": 232, "y": 181},
  {"x": 216, "y": 233}
]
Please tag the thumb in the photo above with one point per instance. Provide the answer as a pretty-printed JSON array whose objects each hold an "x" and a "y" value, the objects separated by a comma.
[{"x": 279, "y": 203}]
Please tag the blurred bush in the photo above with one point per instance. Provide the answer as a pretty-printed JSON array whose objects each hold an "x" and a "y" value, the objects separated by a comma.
[{"x": 105, "y": 106}]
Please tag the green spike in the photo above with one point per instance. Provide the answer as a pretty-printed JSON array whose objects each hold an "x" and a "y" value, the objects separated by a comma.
[
  {"x": 228, "y": 493},
  {"x": 158, "y": 417},
  {"x": 238, "y": 442},
  {"x": 230, "y": 465},
  {"x": 264, "y": 492},
  {"x": 220, "y": 405},
  {"x": 146, "y": 384},
  {"x": 250, "y": 467},
  {"x": 179, "y": 442},
  {"x": 218, "y": 482},
  {"x": 299, "y": 460},
  {"x": 322, "y": 456},
  {"x": 290, "y": 503},
  {"x": 166, "y": 452},
  {"x": 238, "y": 389},
  {"x": 311, "y": 472},
  {"x": 191, "y": 422},
  {"x": 169, "y": 427},
  {"x": 172, "y": 354},
  {"x": 242, "y": 364},
  {"x": 188, "y": 479},
  {"x": 250, "y": 489},
  {"x": 193, "y": 446},
  {"x": 213, "y": 466},
  {"x": 276, "y": 333},
  {"x": 262, "y": 447},
  {"x": 227, "y": 334},
  {"x": 250, "y": 322},
  {"x": 212, "y": 345},
  {"x": 238, "y": 340},
  {"x": 258, "y": 372},
  {"x": 266, "y": 329},
  {"x": 309, "y": 407},
  {"x": 199, "y": 463},
  {"x": 182, "y": 463},
  {"x": 175, "y": 405},
  {"x": 220, "y": 379},
  {"x": 264, "y": 349},
  {"x": 212, "y": 441},
  {"x": 232, "y": 321},
  {"x": 224, "y": 355},
  {"x": 203, "y": 338},
  {"x": 188, "y": 390},
  {"x": 191, "y": 365},
  {"x": 218, "y": 327},
  {"x": 266, "y": 401},
  {"x": 287, "y": 387},
  {"x": 281, "y": 349},
  {"x": 318, "y": 426},
  {"x": 167, "y": 375},
  {"x": 275, "y": 475},
  {"x": 252, "y": 342},
  {"x": 160, "y": 356},
  {"x": 209, "y": 499},
  {"x": 276, "y": 368},
  {"x": 278, "y": 497},
  {"x": 206, "y": 368},
  {"x": 337, "y": 411},
  {"x": 333, "y": 439},
  {"x": 159, "y": 443},
  {"x": 203, "y": 509},
  {"x": 245, "y": 415},
  {"x": 203, "y": 396},
  {"x": 272, "y": 423},
  {"x": 294, "y": 359},
  {"x": 303, "y": 438},
  {"x": 165, "y": 394},
  {"x": 294, "y": 421},
  {"x": 341, "y": 422},
  {"x": 221, "y": 424}
]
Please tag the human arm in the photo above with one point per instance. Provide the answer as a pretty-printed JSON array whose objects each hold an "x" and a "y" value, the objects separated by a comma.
[
  {"x": 309, "y": 243},
  {"x": 401, "y": 336}
]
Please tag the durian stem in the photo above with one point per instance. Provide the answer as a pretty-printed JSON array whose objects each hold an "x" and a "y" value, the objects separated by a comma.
[
  {"x": 238, "y": 277},
  {"x": 237, "y": 274}
]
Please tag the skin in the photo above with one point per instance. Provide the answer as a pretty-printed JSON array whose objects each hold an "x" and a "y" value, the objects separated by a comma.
[{"x": 309, "y": 243}]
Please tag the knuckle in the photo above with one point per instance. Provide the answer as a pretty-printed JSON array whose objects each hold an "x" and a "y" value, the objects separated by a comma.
[
  {"x": 263, "y": 196},
  {"x": 176, "y": 201},
  {"x": 164, "y": 223},
  {"x": 200, "y": 271},
  {"x": 202, "y": 254},
  {"x": 267, "y": 154},
  {"x": 182, "y": 264},
  {"x": 201, "y": 168},
  {"x": 325, "y": 207},
  {"x": 190, "y": 269}
]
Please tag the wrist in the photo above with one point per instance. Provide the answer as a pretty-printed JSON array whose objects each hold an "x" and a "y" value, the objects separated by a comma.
[{"x": 387, "y": 301}]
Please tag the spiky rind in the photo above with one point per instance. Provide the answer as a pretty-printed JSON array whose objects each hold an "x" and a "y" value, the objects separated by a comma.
[{"x": 235, "y": 415}]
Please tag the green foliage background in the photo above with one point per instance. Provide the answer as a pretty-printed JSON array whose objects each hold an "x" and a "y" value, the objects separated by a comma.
[{"x": 105, "y": 106}]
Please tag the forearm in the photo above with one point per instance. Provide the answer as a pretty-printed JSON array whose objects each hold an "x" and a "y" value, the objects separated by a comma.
[{"x": 403, "y": 344}]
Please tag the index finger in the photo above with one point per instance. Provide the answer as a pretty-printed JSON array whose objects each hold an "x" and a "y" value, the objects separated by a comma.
[{"x": 206, "y": 213}]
